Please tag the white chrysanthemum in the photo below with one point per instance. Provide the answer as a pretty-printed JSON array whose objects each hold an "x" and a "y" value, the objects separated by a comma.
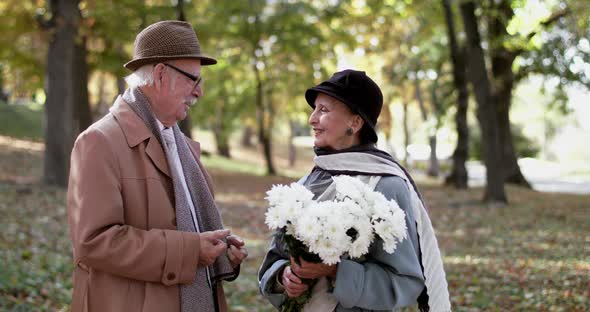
[
  {"x": 347, "y": 186},
  {"x": 389, "y": 245},
  {"x": 308, "y": 228},
  {"x": 275, "y": 218},
  {"x": 398, "y": 218},
  {"x": 365, "y": 236},
  {"x": 324, "y": 227},
  {"x": 329, "y": 251},
  {"x": 377, "y": 203},
  {"x": 277, "y": 194},
  {"x": 287, "y": 204},
  {"x": 301, "y": 193},
  {"x": 353, "y": 209},
  {"x": 383, "y": 229},
  {"x": 294, "y": 193}
]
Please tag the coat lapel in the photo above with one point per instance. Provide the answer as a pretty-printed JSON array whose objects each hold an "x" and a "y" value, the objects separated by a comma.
[
  {"x": 156, "y": 154},
  {"x": 136, "y": 131}
]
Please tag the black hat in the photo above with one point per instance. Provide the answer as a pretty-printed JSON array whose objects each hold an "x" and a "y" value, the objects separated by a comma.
[{"x": 359, "y": 92}]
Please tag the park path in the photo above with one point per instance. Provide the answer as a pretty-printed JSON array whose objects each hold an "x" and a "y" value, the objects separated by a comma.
[{"x": 543, "y": 176}]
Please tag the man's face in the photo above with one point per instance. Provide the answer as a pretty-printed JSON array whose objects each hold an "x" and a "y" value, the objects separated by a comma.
[{"x": 178, "y": 91}]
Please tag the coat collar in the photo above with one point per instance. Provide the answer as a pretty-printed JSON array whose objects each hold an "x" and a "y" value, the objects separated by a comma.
[
  {"x": 135, "y": 132},
  {"x": 133, "y": 127}
]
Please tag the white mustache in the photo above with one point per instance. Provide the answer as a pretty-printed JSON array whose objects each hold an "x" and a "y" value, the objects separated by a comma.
[{"x": 191, "y": 101}]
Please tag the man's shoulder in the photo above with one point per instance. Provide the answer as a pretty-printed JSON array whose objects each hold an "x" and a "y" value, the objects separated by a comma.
[
  {"x": 106, "y": 123},
  {"x": 106, "y": 127}
]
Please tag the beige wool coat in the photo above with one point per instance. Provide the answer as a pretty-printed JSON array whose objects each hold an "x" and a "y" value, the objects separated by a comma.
[{"x": 128, "y": 254}]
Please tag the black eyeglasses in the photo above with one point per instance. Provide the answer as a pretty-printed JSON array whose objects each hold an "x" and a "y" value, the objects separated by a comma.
[{"x": 196, "y": 79}]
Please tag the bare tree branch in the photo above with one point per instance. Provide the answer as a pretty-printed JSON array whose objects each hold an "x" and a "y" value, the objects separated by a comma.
[{"x": 550, "y": 20}]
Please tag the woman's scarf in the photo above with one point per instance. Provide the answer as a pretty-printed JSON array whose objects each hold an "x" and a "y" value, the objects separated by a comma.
[
  {"x": 367, "y": 160},
  {"x": 201, "y": 292}
]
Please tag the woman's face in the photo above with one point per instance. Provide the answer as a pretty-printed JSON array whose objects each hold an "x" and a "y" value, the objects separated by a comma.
[{"x": 330, "y": 120}]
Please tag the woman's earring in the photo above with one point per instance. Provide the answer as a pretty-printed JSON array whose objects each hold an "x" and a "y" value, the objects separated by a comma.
[{"x": 349, "y": 131}]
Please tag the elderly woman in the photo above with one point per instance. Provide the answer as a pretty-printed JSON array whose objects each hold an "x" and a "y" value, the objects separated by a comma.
[{"x": 345, "y": 111}]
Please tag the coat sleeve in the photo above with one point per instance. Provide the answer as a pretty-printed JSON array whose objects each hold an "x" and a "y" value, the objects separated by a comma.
[
  {"x": 96, "y": 215},
  {"x": 384, "y": 281},
  {"x": 274, "y": 262}
]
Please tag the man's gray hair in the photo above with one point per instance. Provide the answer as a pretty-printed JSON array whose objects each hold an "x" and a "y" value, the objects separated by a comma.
[{"x": 142, "y": 76}]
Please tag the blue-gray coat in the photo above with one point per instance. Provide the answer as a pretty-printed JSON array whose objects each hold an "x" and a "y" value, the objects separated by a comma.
[{"x": 379, "y": 282}]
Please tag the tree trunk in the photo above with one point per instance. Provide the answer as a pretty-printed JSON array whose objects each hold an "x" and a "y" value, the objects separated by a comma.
[
  {"x": 458, "y": 176},
  {"x": 502, "y": 60},
  {"x": 62, "y": 98},
  {"x": 185, "y": 125},
  {"x": 512, "y": 172},
  {"x": 3, "y": 95},
  {"x": 263, "y": 135},
  {"x": 486, "y": 112},
  {"x": 418, "y": 92},
  {"x": 82, "y": 103},
  {"x": 101, "y": 108},
  {"x": 385, "y": 125},
  {"x": 292, "y": 149},
  {"x": 247, "y": 137},
  {"x": 433, "y": 161},
  {"x": 407, "y": 138},
  {"x": 180, "y": 10},
  {"x": 433, "y": 167},
  {"x": 269, "y": 125},
  {"x": 121, "y": 85},
  {"x": 219, "y": 131},
  {"x": 221, "y": 141}
]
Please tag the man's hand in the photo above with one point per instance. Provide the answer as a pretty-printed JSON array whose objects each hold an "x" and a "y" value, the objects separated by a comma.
[
  {"x": 292, "y": 283},
  {"x": 211, "y": 246},
  {"x": 313, "y": 270},
  {"x": 236, "y": 251}
]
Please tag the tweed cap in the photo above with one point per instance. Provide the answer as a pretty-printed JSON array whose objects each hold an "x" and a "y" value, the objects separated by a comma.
[
  {"x": 358, "y": 91},
  {"x": 167, "y": 40}
]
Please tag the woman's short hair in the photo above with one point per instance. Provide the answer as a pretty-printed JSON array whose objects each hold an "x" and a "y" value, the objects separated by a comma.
[{"x": 367, "y": 135}]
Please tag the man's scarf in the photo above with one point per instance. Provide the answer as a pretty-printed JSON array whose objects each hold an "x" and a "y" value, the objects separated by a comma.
[
  {"x": 367, "y": 160},
  {"x": 201, "y": 292}
]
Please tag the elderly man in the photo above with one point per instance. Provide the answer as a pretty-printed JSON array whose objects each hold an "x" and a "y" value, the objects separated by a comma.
[{"x": 146, "y": 233}]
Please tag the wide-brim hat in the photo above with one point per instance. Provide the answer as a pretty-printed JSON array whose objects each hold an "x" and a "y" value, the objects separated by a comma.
[
  {"x": 358, "y": 91},
  {"x": 167, "y": 40}
]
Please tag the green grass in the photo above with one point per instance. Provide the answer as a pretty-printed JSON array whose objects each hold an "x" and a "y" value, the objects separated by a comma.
[
  {"x": 223, "y": 163},
  {"x": 233, "y": 165},
  {"x": 21, "y": 122}
]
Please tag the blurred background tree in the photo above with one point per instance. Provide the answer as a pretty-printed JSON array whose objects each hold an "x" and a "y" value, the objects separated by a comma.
[{"x": 67, "y": 57}]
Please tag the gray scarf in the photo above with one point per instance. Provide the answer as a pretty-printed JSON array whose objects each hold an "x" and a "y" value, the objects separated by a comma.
[{"x": 200, "y": 294}]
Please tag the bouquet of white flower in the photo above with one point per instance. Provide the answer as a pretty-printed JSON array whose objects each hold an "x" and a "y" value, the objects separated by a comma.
[{"x": 327, "y": 230}]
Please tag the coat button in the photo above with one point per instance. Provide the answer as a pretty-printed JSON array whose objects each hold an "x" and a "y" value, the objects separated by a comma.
[{"x": 171, "y": 276}]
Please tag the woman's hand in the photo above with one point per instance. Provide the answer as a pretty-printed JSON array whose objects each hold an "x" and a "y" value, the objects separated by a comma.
[
  {"x": 313, "y": 270},
  {"x": 293, "y": 284}
]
